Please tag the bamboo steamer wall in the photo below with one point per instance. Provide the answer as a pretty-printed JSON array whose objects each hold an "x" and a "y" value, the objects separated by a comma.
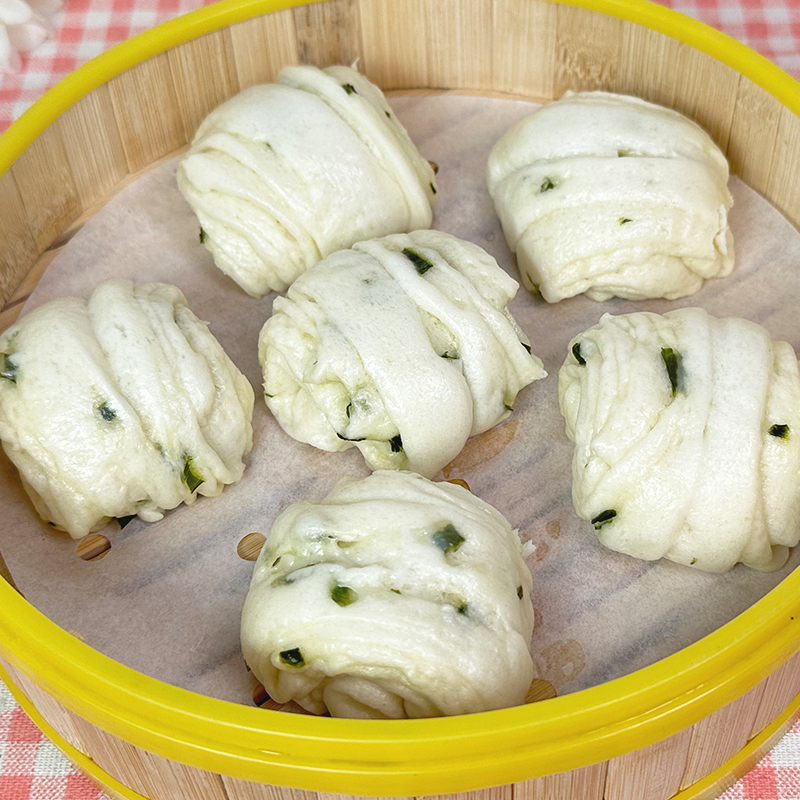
[{"x": 531, "y": 49}]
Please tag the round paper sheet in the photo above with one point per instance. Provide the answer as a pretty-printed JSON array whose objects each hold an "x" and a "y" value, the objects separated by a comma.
[{"x": 166, "y": 599}]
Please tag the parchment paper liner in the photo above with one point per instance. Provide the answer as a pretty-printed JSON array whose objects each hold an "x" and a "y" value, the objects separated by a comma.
[{"x": 167, "y": 597}]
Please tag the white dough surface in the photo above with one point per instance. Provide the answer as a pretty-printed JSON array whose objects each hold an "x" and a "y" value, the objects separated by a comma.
[
  {"x": 167, "y": 599},
  {"x": 392, "y": 597}
]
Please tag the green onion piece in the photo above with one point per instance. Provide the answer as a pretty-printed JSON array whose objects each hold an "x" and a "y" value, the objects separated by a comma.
[
  {"x": 546, "y": 186},
  {"x": 277, "y": 561},
  {"x": 106, "y": 412},
  {"x": 519, "y": 592},
  {"x": 463, "y": 608},
  {"x": 396, "y": 591},
  {"x": 781, "y": 431},
  {"x": 292, "y": 658},
  {"x": 508, "y": 407},
  {"x": 8, "y": 369},
  {"x": 433, "y": 188},
  {"x": 672, "y": 361},
  {"x": 396, "y": 443},
  {"x": 693, "y": 561},
  {"x": 388, "y": 115},
  {"x": 527, "y": 347},
  {"x": 348, "y": 409},
  {"x": 347, "y": 439},
  {"x": 448, "y": 539},
  {"x": 123, "y": 521},
  {"x": 451, "y": 356},
  {"x": 349, "y": 88},
  {"x": 202, "y": 236},
  {"x": 576, "y": 351},
  {"x": 421, "y": 264},
  {"x": 343, "y": 595},
  {"x": 603, "y": 518},
  {"x": 190, "y": 476},
  {"x": 624, "y": 220}
]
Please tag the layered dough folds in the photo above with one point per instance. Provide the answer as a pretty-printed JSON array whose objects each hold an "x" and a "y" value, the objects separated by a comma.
[
  {"x": 402, "y": 346},
  {"x": 122, "y": 405},
  {"x": 687, "y": 438},
  {"x": 393, "y": 597},
  {"x": 609, "y": 195},
  {"x": 283, "y": 174}
]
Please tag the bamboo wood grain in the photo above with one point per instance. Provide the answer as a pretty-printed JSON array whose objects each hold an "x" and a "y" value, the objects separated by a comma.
[
  {"x": 395, "y": 42},
  {"x": 780, "y": 689},
  {"x": 654, "y": 772},
  {"x": 460, "y": 53},
  {"x": 147, "y": 113},
  {"x": 718, "y": 737},
  {"x": 495, "y": 793},
  {"x": 524, "y": 67},
  {"x": 204, "y": 76},
  {"x": 11, "y": 309},
  {"x": 327, "y": 796},
  {"x": 262, "y": 46},
  {"x": 587, "y": 783},
  {"x": 754, "y": 130},
  {"x": 588, "y": 50},
  {"x": 29, "y": 282},
  {"x": 647, "y": 64},
  {"x": 93, "y": 146},
  {"x": 706, "y": 92},
  {"x": 329, "y": 33},
  {"x": 783, "y": 186},
  {"x": 237, "y": 789},
  {"x": 18, "y": 252},
  {"x": 47, "y": 187},
  {"x": 58, "y": 717},
  {"x": 150, "y": 775}
]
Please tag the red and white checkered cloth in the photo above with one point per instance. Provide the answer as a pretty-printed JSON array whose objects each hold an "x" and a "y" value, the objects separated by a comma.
[{"x": 31, "y": 768}]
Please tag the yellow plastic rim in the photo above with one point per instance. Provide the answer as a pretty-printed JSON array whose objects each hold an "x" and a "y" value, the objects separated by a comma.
[
  {"x": 731, "y": 771},
  {"x": 409, "y": 757}
]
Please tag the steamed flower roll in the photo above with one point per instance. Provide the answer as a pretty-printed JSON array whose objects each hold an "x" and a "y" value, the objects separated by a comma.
[
  {"x": 687, "y": 438},
  {"x": 402, "y": 347},
  {"x": 393, "y": 597},
  {"x": 284, "y": 174},
  {"x": 123, "y": 405},
  {"x": 607, "y": 195}
]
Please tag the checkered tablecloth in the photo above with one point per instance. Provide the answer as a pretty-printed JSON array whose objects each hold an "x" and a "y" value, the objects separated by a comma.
[{"x": 31, "y": 768}]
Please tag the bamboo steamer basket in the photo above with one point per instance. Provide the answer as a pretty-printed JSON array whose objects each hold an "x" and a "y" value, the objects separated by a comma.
[{"x": 685, "y": 727}]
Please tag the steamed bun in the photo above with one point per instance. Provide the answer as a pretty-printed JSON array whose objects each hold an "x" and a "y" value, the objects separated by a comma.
[
  {"x": 123, "y": 405},
  {"x": 282, "y": 175},
  {"x": 687, "y": 438},
  {"x": 392, "y": 597},
  {"x": 607, "y": 195},
  {"x": 402, "y": 347}
]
